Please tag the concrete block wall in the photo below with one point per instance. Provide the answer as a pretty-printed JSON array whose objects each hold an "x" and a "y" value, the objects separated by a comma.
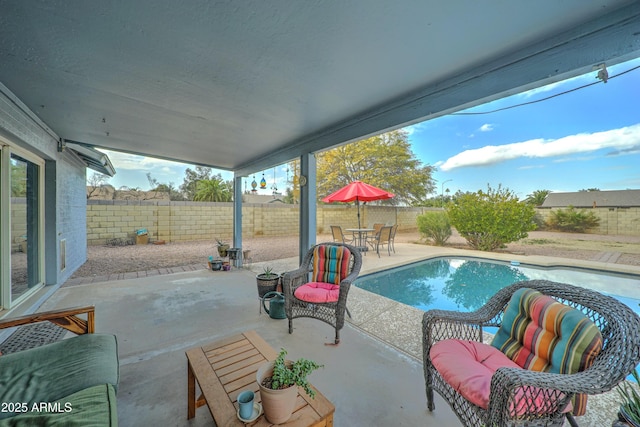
[
  {"x": 407, "y": 218},
  {"x": 343, "y": 215},
  {"x": 270, "y": 219},
  {"x": 188, "y": 221},
  {"x": 110, "y": 219},
  {"x": 201, "y": 221},
  {"x": 614, "y": 221}
]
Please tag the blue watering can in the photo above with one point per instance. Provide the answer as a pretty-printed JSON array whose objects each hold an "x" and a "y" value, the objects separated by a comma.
[{"x": 276, "y": 305}]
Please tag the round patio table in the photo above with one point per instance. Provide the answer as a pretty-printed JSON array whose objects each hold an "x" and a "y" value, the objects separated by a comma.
[{"x": 360, "y": 235}]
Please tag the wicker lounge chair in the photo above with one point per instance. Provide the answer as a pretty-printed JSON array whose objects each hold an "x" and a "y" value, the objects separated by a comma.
[
  {"x": 517, "y": 396},
  {"x": 332, "y": 267}
]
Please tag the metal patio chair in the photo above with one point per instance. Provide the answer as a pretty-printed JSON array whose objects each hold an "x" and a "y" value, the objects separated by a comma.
[
  {"x": 338, "y": 235},
  {"x": 383, "y": 237},
  {"x": 392, "y": 239}
]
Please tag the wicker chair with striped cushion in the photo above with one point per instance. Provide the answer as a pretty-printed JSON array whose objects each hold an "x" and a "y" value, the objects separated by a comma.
[
  {"x": 320, "y": 286},
  {"x": 555, "y": 343}
]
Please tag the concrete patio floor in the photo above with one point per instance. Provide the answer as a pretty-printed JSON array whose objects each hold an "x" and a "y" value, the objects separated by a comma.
[{"x": 374, "y": 377}]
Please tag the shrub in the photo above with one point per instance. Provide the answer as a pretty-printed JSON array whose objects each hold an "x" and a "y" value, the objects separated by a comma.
[
  {"x": 488, "y": 220},
  {"x": 435, "y": 227},
  {"x": 572, "y": 220}
]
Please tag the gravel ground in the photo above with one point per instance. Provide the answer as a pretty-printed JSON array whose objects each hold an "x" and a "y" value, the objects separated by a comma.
[{"x": 104, "y": 260}]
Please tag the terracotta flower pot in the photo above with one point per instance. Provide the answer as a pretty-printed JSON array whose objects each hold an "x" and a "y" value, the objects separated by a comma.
[{"x": 278, "y": 405}]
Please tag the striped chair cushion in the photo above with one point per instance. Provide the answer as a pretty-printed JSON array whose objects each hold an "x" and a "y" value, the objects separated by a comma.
[
  {"x": 542, "y": 334},
  {"x": 330, "y": 264}
]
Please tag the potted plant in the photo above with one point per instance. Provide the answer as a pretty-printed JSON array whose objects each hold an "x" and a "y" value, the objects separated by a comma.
[
  {"x": 215, "y": 264},
  {"x": 222, "y": 248},
  {"x": 267, "y": 281},
  {"x": 279, "y": 381},
  {"x": 630, "y": 406}
]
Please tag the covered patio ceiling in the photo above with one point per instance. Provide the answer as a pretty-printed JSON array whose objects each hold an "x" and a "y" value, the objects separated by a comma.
[{"x": 245, "y": 85}]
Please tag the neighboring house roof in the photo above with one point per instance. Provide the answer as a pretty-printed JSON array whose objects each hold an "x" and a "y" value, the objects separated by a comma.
[
  {"x": 261, "y": 198},
  {"x": 600, "y": 199}
]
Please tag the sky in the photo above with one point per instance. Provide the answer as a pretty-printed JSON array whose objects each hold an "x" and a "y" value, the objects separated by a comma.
[{"x": 588, "y": 138}]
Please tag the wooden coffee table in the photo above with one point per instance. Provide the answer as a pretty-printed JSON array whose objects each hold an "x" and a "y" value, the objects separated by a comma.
[{"x": 226, "y": 367}]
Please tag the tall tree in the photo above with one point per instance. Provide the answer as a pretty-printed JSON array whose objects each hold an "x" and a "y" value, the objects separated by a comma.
[
  {"x": 191, "y": 178},
  {"x": 170, "y": 188},
  {"x": 215, "y": 189},
  {"x": 385, "y": 161},
  {"x": 94, "y": 183}
]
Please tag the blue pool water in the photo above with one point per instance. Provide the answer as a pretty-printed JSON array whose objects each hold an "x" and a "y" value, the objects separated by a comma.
[{"x": 465, "y": 284}]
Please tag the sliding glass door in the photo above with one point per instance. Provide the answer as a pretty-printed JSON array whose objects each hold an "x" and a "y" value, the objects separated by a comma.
[{"x": 21, "y": 196}]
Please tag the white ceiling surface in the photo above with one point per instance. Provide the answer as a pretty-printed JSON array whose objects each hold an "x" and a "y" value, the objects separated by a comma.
[{"x": 242, "y": 85}]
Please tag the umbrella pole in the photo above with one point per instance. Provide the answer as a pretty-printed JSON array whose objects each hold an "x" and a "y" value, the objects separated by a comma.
[{"x": 358, "y": 204}]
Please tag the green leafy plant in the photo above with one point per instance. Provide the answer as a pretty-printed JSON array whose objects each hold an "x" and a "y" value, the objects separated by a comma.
[
  {"x": 572, "y": 220},
  {"x": 286, "y": 374},
  {"x": 435, "y": 227},
  {"x": 221, "y": 242},
  {"x": 488, "y": 220},
  {"x": 630, "y": 406},
  {"x": 267, "y": 272}
]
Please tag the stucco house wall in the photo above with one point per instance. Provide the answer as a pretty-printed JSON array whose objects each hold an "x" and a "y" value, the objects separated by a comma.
[{"x": 64, "y": 187}]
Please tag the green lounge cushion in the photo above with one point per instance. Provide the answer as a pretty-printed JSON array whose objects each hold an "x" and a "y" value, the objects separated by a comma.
[
  {"x": 92, "y": 407},
  {"x": 53, "y": 371}
]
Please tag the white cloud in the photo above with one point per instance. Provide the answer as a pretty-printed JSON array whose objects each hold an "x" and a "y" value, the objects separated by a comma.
[
  {"x": 532, "y": 167},
  {"x": 620, "y": 139},
  {"x": 417, "y": 127},
  {"x": 135, "y": 162},
  {"x": 487, "y": 127}
]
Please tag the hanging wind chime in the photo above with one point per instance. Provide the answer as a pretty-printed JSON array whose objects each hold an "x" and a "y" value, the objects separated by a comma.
[{"x": 274, "y": 187}]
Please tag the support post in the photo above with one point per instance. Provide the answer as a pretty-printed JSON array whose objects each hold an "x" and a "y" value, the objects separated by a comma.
[
  {"x": 308, "y": 211},
  {"x": 237, "y": 216}
]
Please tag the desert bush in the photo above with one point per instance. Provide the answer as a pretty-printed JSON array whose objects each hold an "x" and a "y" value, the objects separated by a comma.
[
  {"x": 572, "y": 220},
  {"x": 488, "y": 220},
  {"x": 434, "y": 227}
]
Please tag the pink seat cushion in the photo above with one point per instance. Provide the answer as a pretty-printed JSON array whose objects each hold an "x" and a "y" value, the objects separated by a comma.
[
  {"x": 468, "y": 366},
  {"x": 318, "y": 292}
]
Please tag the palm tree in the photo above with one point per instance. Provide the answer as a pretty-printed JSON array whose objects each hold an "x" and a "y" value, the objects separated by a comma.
[
  {"x": 213, "y": 190},
  {"x": 537, "y": 197}
]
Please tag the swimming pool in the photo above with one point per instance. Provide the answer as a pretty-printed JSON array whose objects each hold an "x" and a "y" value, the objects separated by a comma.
[{"x": 465, "y": 284}]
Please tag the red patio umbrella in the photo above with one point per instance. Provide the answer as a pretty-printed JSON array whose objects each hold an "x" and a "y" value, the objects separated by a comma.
[{"x": 360, "y": 192}]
